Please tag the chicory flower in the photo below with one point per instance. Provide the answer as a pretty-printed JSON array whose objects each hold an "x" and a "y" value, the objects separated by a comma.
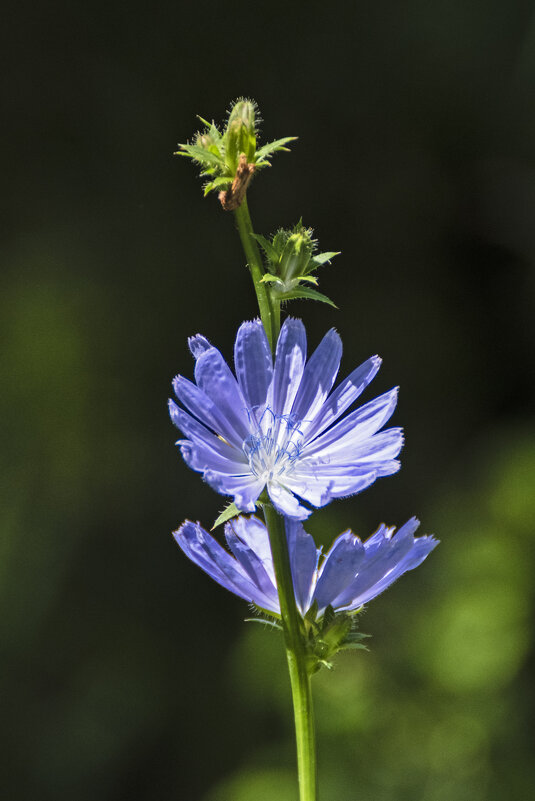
[
  {"x": 347, "y": 577},
  {"x": 277, "y": 426}
]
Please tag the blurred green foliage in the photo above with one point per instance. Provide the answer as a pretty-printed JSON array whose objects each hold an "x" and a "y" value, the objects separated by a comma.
[{"x": 125, "y": 672}]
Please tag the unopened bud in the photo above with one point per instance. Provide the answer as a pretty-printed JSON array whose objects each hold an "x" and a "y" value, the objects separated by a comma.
[
  {"x": 240, "y": 134},
  {"x": 296, "y": 255},
  {"x": 244, "y": 112}
]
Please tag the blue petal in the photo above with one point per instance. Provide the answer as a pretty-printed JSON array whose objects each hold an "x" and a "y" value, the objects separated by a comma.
[
  {"x": 352, "y": 484},
  {"x": 356, "y": 427},
  {"x": 200, "y": 434},
  {"x": 253, "y": 363},
  {"x": 382, "y": 555},
  {"x": 245, "y": 489},
  {"x": 376, "y": 542},
  {"x": 215, "y": 378},
  {"x": 343, "y": 396},
  {"x": 380, "y": 448},
  {"x": 289, "y": 365},
  {"x": 320, "y": 484},
  {"x": 318, "y": 378},
  {"x": 383, "y": 445},
  {"x": 201, "y": 458},
  {"x": 205, "y": 551},
  {"x": 198, "y": 345},
  {"x": 314, "y": 489},
  {"x": 372, "y": 458},
  {"x": 254, "y": 534},
  {"x": 252, "y": 565},
  {"x": 421, "y": 548},
  {"x": 338, "y": 569},
  {"x": 287, "y": 504},
  {"x": 202, "y": 407},
  {"x": 385, "y": 468},
  {"x": 303, "y": 561}
]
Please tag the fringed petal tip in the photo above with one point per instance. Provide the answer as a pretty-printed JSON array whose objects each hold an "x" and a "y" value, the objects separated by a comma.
[{"x": 198, "y": 345}]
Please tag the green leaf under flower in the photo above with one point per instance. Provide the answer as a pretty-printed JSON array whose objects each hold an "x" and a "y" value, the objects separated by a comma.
[
  {"x": 228, "y": 513},
  {"x": 308, "y": 294}
]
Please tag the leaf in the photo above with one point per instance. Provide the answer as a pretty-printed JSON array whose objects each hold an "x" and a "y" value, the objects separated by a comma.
[
  {"x": 267, "y": 247},
  {"x": 268, "y": 278},
  {"x": 212, "y": 130},
  {"x": 321, "y": 258},
  {"x": 200, "y": 154},
  {"x": 309, "y": 294},
  {"x": 215, "y": 184},
  {"x": 272, "y": 147},
  {"x": 228, "y": 513},
  {"x": 328, "y": 617},
  {"x": 356, "y": 636},
  {"x": 280, "y": 239}
]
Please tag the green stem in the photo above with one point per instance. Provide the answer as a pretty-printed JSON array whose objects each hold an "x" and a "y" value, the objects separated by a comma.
[
  {"x": 291, "y": 620},
  {"x": 269, "y": 309},
  {"x": 296, "y": 656}
]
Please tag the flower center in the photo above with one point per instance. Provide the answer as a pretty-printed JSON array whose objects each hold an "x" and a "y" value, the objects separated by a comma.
[{"x": 274, "y": 447}]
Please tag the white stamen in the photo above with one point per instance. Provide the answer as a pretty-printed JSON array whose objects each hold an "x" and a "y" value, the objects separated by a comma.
[{"x": 274, "y": 447}]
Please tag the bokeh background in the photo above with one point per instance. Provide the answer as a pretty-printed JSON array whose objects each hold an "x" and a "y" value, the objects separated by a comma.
[{"x": 127, "y": 673}]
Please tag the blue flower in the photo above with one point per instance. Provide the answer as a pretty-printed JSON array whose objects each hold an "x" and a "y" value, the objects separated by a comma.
[
  {"x": 347, "y": 577},
  {"x": 277, "y": 425}
]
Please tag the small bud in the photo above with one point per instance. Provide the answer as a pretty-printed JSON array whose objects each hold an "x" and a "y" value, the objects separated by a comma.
[
  {"x": 291, "y": 262},
  {"x": 240, "y": 134},
  {"x": 243, "y": 112},
  {"x": 296, "y": 256}
]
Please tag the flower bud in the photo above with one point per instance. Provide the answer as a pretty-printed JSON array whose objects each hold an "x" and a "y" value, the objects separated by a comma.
[
  {"x": 240, "y": 135},
  {"x": 243, "y": 113},
  {"x": 291, "y": 262},
  {"x": 296, "y": 255}
]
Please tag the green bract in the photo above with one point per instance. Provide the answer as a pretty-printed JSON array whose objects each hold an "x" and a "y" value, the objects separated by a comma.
[
  {"x": 230, "y": 157},
  {"x": 334, "y": 632},
  {"x": 291, "y": 260},
  {"x": 323, "y": 638}
]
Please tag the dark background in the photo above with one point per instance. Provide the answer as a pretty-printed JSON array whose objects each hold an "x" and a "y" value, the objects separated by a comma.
[{"x": 126, "y": 672}]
